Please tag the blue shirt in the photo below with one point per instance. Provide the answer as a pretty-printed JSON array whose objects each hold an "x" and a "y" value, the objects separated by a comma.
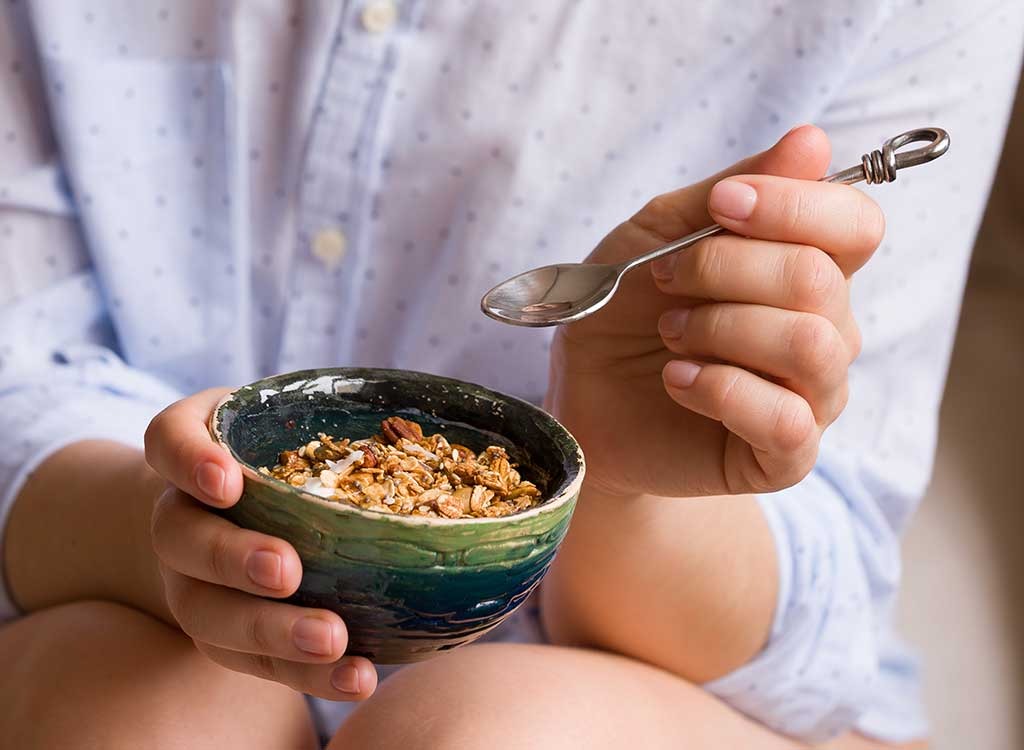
[{"x": 198, "y": 193}]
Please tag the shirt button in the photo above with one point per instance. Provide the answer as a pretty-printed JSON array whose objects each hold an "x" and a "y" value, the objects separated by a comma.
[
  {"x": 379, "y": 16},
  {"x": 329, "y": 246}
]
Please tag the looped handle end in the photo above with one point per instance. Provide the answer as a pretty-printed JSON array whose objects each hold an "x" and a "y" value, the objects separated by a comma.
[{"x": 882, "y": 165}]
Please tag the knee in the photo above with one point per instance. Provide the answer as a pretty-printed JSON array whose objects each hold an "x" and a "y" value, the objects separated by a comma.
[
  {"x": 77, "y": 623},
  {"x": 424, "y": 706},
  {"x": 69, "y": 634},
  {"x": 77, "y": 670},
  {"x": 540, "y": 697},
  {"x": 489, "y": 696}
]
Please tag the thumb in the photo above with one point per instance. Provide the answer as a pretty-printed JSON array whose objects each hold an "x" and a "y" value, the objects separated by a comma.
[{"x": 802, "y": 153}]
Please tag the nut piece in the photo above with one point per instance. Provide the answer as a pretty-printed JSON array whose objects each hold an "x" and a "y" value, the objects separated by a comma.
[
  {"x": 291, "y": 461},
  {"x": 369, "y": 460},
  {"x": 395, "y": 428}
]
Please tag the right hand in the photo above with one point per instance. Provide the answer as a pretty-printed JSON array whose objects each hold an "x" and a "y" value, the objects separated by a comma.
[{"x": 215, "y": 573}]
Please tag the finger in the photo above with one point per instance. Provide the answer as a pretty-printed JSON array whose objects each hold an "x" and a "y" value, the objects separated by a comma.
[
  {"x": 776, "y": 423},
  {"x": 238, "y": 621},
  {"x": 802, "y": 153},
  {"x": 351, "y": 679},
  {"x": 201, "y": 545},
  {"x": 842, "y": 220},
  {"x": 805, "y": 351},
  {"x": 729, "y": 268},
  {"x": 180, "y": 449}
]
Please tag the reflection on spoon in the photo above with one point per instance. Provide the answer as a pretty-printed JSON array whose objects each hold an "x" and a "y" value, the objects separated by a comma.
[{"x": 548, "y": 307}]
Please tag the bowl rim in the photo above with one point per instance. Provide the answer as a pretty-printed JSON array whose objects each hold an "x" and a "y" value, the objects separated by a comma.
[{"x": 568, "y": 492}]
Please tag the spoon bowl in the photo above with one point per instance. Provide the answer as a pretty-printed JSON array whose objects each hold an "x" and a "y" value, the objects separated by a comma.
[{"x": 568, "y": 291}]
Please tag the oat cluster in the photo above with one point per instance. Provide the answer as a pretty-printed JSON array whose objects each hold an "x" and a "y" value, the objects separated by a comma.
[{"x": 401, "y": 471}]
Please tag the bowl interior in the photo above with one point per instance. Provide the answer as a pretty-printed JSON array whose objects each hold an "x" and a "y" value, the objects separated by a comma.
[{"x": 285, "y": 411}]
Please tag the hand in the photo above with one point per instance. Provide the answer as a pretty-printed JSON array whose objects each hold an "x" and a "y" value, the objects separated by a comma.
[
  {"x": 215, "y": 572},
  {"x": 717, "y": 370}
]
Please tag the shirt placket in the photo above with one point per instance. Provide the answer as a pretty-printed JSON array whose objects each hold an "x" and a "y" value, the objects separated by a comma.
[{"x": 336, "y": 184}]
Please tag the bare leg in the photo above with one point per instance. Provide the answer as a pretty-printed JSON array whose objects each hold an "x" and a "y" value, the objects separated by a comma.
[
  {"x": 100, "y": 675},
  {"x": 507, "y": 697},
  {"x": 544, "y": 697}
]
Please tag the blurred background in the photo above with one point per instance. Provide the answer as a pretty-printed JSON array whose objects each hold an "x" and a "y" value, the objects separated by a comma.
[{"x": 962, "y": 602}]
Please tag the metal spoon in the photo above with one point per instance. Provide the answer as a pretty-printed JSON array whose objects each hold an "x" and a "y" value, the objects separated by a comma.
[{"x": 559, "y": 294}]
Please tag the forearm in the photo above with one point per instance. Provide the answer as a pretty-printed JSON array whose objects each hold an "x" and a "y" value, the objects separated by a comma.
[
  {"x": 79, "y": 529},
  {"x": 689, "y": 585}
]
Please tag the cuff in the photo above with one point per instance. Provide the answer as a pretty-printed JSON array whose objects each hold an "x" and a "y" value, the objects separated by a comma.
[{"x": 815, "y": 676}]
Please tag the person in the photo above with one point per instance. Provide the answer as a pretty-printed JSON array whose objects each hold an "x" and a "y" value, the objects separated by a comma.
[{"x": 199, "y": 194}]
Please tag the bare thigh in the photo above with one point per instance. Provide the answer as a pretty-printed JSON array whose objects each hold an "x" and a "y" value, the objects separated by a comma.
[
  {"x": 507, "y": 697},
  {"x": 100, "y": 675}
]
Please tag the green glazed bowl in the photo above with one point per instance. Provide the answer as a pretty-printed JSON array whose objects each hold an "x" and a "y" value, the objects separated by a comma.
[{"x": 407, "y": 587}]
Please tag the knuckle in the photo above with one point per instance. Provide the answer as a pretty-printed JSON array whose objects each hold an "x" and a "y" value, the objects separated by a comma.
[
  {"x": 219, "y": 556},
  {"x": 657, "y": 208},
  {"x": 794, "y": 209},
  {"x": 656, "y": 205},
  {"x": 792, "y": 424},
  {"x": 713, "y": 319},
  {"x": 812, "y": 345},
  {"x": 258, "y": 630},
  {"x": 813, "y": 279},
  {"x": 708, "y": 262},
  {"x": 725, "y": 391},
  {"x": 659, "y": 212}
]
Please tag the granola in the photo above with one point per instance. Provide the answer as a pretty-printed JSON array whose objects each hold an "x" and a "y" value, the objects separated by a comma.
[{"x": 402, "y": 471}]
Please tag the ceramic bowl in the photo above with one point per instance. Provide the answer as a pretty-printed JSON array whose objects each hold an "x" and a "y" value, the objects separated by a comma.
[{"x": 407, "y": 587}]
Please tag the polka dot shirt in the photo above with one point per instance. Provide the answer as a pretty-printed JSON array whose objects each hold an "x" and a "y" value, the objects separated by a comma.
[{"x": 199, "y": 193}]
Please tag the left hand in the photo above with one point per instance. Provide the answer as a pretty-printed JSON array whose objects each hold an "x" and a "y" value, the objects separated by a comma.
[{"x": 717, "y": 372}]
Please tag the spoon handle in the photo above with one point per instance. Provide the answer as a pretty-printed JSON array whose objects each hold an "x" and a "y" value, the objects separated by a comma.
[{"x": 876, "y": 167}]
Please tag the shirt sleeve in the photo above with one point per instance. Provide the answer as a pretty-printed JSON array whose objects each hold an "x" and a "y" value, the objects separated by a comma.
[
  {"x": 61, "y": 379},
  {"x": 830, "y": 664}
]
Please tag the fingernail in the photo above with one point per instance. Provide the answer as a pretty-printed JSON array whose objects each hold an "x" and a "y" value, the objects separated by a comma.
[
  {"x": 313, "y": 635},
  {"x": 210, "y": 480},
  {"x": 680, "y": 373},
  {"x": 732, "y": 199},
  {"x": 346, "y": 679},
  {"x": 664, "y": 268},
  {"x": 672, "y": 324},
  {"x": 264, "y": 569}
]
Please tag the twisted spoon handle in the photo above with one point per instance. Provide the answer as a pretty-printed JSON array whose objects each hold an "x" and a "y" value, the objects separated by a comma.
[{"x": 876, "y": 167}]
